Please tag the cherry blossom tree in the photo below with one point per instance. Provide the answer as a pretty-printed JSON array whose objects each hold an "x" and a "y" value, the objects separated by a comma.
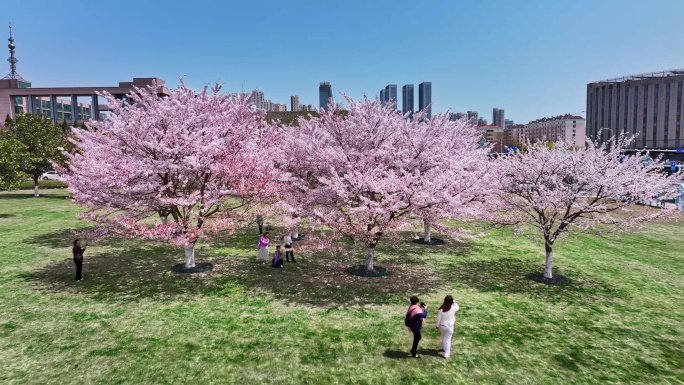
[
  {"x": 557, "y": 189},
  {"x": 455, "y": 169},
  {"x": 173, "y": 168},
  {"x": 362, "y": 174}
]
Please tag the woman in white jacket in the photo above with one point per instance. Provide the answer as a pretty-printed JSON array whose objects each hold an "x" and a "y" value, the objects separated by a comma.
[{"x": 446, "y": 316}]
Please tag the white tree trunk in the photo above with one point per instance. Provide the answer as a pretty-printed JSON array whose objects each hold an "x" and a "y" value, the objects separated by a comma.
[
  {"x": 164, "y": 219},
  {"x": 35, "y": 191},
  {"x": 368, "y": 262},
  {"x": 295, "y": 232},
  {"x": 190, "y": 255},
  {"x": 427, "y": 237},
  {"x": 549, "y": 262}
]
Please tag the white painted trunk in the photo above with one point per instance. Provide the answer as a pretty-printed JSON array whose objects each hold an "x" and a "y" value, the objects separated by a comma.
[
  {"x": 549, "y": 263},
  {"x": 295, "y": 233},
  {"x": 370, "y": 255},
  {"x": 35, "y": 191},
  {"x": 164, "y": 220},
  {"x": 427, "y": 237},
  {"x": 190, "y": 255}
]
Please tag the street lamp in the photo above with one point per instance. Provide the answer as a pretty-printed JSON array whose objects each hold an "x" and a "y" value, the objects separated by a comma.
[{"x": 605, "y": 128}]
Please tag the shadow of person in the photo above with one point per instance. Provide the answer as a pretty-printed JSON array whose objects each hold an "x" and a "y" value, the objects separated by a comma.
[{"x": 396, "y": 354}]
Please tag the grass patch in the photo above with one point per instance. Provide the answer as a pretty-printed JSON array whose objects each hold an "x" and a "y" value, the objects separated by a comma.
[{"x": 133, "y": 321}]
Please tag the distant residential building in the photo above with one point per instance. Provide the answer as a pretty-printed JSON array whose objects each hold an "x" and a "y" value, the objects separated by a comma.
[
  {"x": 494, "y": 135},
  {"x": 518, "y": 135},
  {"x": 498, "y": 118},
  {"x": 425, "y": 97},
  {"x": 566, "y": 128},
  {"x": 407, "y": 98},
  {"x": 258, "y": 99},
  {"x": 472, "y": 116},
  {"x": 483, "y": 122},
  {"x": 277, "y": 107},
  {"x": 649, "y": 105},
  {"x": 325, "y": 95},
  {"x": 382, "y": 96},
  {"x": 294, "y": 103},
  {"x": 508, "y": 122}
]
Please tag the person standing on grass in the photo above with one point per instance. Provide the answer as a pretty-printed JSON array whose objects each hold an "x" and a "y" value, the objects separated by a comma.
[
  {"x": 277, "y": 258},
  {"x": 262, "y": 246},
  {"x": 416, "y": 314},
  {"x": 446, "y": 316},
  {"x": 260, "y": 223},
  {"x": 287, "y": 240},
  {"x": 78, "y": 258}
]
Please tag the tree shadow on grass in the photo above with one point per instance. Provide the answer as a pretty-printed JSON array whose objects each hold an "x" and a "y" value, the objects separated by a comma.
[
  {"x": 128, "y": 275},
  {"x": 509, "y": 276},
  {"x": 65, "y": 238},
  {"x": 322, "y": 280},
  {"x": 140, "y": 273},
  {"x": 6, "y": 215},
  {"x": 17, "y": 196}
]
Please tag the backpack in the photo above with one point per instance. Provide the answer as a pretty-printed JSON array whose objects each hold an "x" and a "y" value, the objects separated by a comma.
[{"x": 408, "y": 320}]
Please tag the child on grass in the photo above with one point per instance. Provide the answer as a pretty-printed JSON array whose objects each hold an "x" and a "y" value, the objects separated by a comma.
[{"x": 277, "y": 257}]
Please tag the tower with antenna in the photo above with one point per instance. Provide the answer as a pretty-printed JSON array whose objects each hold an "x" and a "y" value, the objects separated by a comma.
[{"x": 13, "y": 75}]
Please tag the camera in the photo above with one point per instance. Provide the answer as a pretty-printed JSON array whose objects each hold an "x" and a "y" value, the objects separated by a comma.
[{"x": 422, "y": 304}]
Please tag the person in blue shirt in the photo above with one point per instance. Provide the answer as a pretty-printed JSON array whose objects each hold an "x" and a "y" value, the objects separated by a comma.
[{"x": 417, "y": 314}]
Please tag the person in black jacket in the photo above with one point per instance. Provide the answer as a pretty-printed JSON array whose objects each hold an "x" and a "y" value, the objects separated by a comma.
[
  {"x": 417, "y": 314},
  {"x": 78, "y": 258}
]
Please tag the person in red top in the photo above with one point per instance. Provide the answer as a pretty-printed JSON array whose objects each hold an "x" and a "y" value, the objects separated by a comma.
[{"x": 417, "y": 314}]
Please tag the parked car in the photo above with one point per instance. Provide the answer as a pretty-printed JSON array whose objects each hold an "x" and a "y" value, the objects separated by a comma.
[{"x": 51, "y": 175}]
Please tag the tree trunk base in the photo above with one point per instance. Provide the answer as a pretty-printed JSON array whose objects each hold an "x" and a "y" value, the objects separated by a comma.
[
  {"x": 431, "y": 242},
  {"x": 198, "y": 268},
  {"x": 556, "y": 280},
  {"x": 361, "y": 271}
]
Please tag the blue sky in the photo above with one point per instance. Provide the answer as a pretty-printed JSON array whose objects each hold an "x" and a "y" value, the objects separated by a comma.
[{"x": 532, "y": 58}]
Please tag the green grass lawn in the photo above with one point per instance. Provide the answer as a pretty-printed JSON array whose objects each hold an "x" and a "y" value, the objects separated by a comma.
[{"x": 133, "y": 321}]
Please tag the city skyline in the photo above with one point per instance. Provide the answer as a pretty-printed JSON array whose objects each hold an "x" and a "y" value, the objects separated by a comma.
[{"x": 530, "y": 75}]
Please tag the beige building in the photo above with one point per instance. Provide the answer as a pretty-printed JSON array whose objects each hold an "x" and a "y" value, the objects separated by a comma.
[
  {"x": 515, "y": 135},
  {"x": 494, "y": 135},
  {"x": 566, "y": 128},
  {"x": 648, "y": 105}
]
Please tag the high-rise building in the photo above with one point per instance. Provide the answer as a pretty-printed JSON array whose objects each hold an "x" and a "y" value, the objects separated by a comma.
[
  {"x": 498, "y": 118},
  {"x": 407, "y": 98},
  {"x": 472, "y": 115},
  {"x": 294, "y": 103},
  {"x": 648, "y": 105},
  {"x": 509, "y": 122},
  {"x": 258, "y": 100},
  {"x": 382, "y": 96},
  {"x": 456, "y": 116},
  {"x": 483, "y": 122},
  {"x": 425, "y": 97},
  {"x": 391, "y": 94},
  {"x": 325, "y": 95}
]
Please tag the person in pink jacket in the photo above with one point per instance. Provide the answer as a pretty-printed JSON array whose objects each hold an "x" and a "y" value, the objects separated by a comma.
[{"x": 262, "y": 246}]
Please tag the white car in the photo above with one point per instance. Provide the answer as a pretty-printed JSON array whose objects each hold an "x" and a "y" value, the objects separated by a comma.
[{"x": 51, "y": 175}]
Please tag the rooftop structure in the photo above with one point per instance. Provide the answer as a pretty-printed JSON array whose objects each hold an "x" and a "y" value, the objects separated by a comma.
[
  {"x": 557, "y": 117},
  {"x": 648, "y": 75}
]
